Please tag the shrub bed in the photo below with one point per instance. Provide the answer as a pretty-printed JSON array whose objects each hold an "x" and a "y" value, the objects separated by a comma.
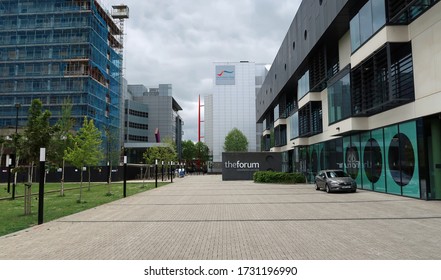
[{"x": 278, "y": 177}]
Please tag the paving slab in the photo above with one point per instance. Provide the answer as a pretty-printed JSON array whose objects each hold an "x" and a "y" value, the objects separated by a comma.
[{"x": 205, "y": 218}]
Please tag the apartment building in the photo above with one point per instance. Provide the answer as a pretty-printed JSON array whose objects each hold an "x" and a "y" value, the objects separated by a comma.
[
  {"x": 54, "y": 50},
  {"x": 356, "y": 85}
]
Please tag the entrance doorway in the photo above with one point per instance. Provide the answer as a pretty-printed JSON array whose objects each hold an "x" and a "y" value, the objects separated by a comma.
[{"x": 433, "y": 128}]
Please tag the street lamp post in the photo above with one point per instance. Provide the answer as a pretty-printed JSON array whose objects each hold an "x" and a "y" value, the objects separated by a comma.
[
  {"x": 41, "y": 185},
  {"x": 156, "y": 173},
  {"x": 125, "y": 177},
  {"x": 17, "y": 107},
  {"x": 162, "y": 171},
  {"x": 9, "y": 162},
  {"x": 171, "y": 171}
]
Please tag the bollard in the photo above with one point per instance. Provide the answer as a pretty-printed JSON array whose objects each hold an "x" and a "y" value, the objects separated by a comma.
[
  {"x": 41, "y": 188},
  {"x": 125, "y": 177}
]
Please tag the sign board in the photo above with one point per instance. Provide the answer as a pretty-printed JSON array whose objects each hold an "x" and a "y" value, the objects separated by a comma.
[
  {"x": 225, "y": 75},
  {"x": 241, "y": 166}
]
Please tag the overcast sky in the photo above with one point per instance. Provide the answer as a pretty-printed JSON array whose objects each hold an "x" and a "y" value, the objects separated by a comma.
[{"x": 176, "y": 42}]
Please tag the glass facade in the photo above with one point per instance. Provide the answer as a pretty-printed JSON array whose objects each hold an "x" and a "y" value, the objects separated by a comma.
[
  {"x": 339, "y": 99},
  {"x": 383, "y": 160},
  {"x": 57, "y": 49},
  {"x": 383, "y": 81},
  {"x": 311, "y": 119},
  {"x": 303, "y": 86},
  {"x": 367, "y": 22},
  {"x": 404, "y": 12},
  {"x": 234, "y": 106},
  {"x": 276, "y": 113},
  {"x": 429, "y": 152},
  {"x": 294, "y": 126},
  {"x": 377, "y": 129},
  {"x": 280, "y": 135}
]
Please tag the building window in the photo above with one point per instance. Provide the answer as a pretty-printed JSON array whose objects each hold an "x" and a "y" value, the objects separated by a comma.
[
  {"x": 303, "y": 86},
  {"x": 276, "y": 112},
  {"x": 138, "y": 138},
  {"x": 138, "y": 113},
  {"x": 373, "y": 160},
  {"x": 401, "y": 159},
  {"x": 266, "y": 143},
  {"x": 280, "y": 135},
  {"x": 323, "y": 60},
  {"x": 138, "y": 125},
  {"x": 310, "y": 119},
  {"x": 294, "y": 126},
  {"x": 367, "y": 22},
  {"x": 265, "y": 125},
  {"x": 383, "y": 81},
  {"x": 339, "y": 99},
  {"x": 404, "y": 12}
]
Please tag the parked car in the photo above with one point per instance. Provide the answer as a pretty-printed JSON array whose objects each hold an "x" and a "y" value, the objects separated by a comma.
[{"x": 335, "y": 180}]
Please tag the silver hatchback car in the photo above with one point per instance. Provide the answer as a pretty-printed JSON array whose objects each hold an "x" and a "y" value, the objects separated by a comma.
[{"x": 335, "y": 180}]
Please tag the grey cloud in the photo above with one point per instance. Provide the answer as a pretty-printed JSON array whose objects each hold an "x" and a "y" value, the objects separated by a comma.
[{"x": 176, "y": 41}]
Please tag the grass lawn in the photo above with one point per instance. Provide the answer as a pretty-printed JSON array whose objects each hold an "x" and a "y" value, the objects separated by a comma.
[{"x": 12, "y": 216}]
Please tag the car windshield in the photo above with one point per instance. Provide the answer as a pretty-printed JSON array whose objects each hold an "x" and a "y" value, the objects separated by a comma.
[{"x": 337, "y": 174}]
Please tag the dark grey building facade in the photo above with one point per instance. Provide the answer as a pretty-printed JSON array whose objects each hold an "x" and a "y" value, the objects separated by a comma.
[{"x": 355, "y": 86}]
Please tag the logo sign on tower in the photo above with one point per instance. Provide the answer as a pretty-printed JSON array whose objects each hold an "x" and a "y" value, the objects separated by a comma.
[{"x": 225, "y": 75}]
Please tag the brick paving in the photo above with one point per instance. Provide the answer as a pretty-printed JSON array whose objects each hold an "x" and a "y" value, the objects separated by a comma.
[{"x": 201, "y": 217}]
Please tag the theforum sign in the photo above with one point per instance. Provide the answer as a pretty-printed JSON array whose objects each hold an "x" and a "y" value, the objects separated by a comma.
[{"x": 241, "y": 166}]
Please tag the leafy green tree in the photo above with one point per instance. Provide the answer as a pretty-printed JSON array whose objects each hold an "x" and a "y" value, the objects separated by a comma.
[
  {"x": 61, "y": 140},
  {"x": 202, "y": 151},
  {"x": 188, "y": 151},
  {"x": 2, "y": 146},
  {"x": 37, "y": 134},
  {"x": 195, "y": 155},
  {"x": 165, "y": 153},
  {"x": 86, "y": 149},
  {"x": 235, "y": 141},
  {"x": 202, "y": 154}
]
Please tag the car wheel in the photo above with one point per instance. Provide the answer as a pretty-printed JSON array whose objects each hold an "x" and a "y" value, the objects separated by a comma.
[
  {"x": 317, "y": 188},
  {"x": 328, "y": 190},
  {"x": 354, "y": 190}
]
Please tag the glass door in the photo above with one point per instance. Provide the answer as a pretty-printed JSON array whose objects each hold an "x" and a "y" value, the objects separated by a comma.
[{"x": 434, "y": 156}]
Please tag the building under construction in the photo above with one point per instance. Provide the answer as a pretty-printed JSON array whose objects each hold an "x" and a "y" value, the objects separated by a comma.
[{"x": 56, "y": 50}]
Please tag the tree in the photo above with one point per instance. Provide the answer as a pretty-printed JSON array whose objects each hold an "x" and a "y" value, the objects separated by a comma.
[
  {"x": 86, "y": 149},
  {"x": 37, "y": 134},
  {"x": 188, "y": 150},
  {"x": 202, "y": 154},
  {"x": 165, "y": 153},
  {"x": 235, "y": 141},
  {"x": 202, "y": 151},
  {"x": 61, "y": 140},
  {"x": 195, "y": 155},
  {"x": 2, "y": 145}
]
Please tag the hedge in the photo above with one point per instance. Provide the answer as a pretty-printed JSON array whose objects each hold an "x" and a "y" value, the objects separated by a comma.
[{"x": 278, "y": 177}]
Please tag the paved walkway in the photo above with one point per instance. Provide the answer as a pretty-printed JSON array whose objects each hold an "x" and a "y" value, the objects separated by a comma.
[{"x": 201, "y": 217}]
